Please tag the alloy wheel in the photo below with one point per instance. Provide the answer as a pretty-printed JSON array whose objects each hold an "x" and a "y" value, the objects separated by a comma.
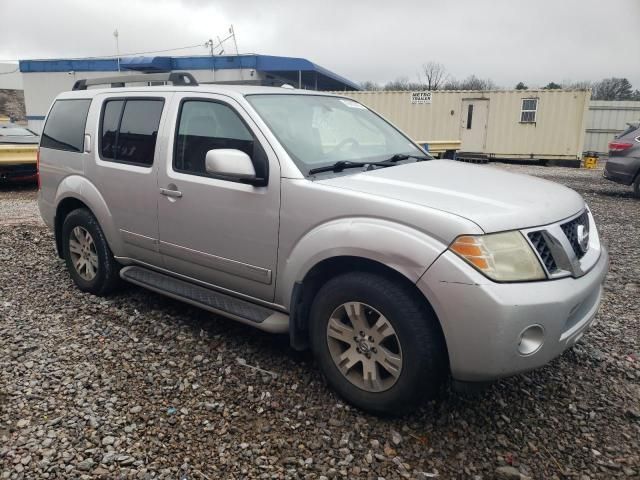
[
  {"x": 364, "y": 346},
  {"x": 83, "y": 253}
]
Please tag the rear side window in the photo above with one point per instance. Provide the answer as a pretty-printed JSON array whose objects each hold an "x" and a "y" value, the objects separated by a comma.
[
  {"x": 64, "y": 129},
  {"x": 129, "y": 130},
  {"x": 204, "y": 126}
]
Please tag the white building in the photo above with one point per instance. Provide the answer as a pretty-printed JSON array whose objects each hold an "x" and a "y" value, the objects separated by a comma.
[{"x": 44, "y": 79}]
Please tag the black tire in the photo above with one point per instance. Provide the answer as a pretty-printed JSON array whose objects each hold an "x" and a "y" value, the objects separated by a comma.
[
  {"x": 106, "y": 277},
  {"x": 424, "y": 357},
  {"x": 636, "y": 186}
]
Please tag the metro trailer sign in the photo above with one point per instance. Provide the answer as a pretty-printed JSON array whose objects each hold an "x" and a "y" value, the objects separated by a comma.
[{"x": 421, "y": 97}]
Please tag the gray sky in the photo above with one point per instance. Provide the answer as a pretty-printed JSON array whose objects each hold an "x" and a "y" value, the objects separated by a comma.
[{"x": 535, "y": 41}]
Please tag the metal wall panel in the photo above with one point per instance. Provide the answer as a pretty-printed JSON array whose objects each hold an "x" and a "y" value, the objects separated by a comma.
[
  {"x": 605, "y": 120},
  {"x": 558, "y": 132}
]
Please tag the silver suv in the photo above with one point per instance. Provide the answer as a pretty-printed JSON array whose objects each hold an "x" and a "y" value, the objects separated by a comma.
[{"x": 307, "y": 213}]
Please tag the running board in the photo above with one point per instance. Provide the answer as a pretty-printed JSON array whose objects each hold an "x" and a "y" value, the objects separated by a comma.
[{"x": 208, "y": 299}]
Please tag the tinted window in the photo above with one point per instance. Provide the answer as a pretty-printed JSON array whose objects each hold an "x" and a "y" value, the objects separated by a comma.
[
  {"x": 110, "y": 121},
  {"x": 205, "y": 126},
  {"x": 64, "y": 129},
  {"x": 129, "y": 130}
]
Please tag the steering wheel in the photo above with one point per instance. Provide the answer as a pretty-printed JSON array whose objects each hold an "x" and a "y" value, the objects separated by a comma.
[{"x": 347, "y": 141}]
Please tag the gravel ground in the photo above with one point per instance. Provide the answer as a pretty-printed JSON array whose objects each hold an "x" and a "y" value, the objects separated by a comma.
[{"x": 140, "y": 386}]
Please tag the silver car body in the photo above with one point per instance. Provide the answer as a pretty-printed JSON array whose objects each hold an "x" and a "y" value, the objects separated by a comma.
[{"x": 258, "y": 242}]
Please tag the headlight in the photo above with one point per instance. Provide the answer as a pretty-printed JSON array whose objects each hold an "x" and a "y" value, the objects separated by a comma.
[{"x": 504, "y": 257}]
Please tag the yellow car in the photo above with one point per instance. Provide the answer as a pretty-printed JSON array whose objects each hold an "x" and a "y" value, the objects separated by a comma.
[{"x": 18, "y": 153}]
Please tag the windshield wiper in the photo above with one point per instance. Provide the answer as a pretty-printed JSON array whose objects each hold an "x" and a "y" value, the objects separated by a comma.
[
  {"x": 344, "y": 164},
  {"x": 403, "y": 156}
]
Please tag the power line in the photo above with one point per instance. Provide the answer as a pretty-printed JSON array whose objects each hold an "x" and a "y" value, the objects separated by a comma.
[{"x": 112, "y": 56}]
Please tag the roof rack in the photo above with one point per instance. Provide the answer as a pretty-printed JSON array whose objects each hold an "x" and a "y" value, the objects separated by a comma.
[{"x": 174, "y": 78}]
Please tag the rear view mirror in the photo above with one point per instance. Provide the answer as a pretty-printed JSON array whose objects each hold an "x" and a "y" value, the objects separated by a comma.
[{"x": 232, "y": 164}]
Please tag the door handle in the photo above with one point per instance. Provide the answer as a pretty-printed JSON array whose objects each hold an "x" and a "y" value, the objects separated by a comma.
[{"x": 170, "y": 193}]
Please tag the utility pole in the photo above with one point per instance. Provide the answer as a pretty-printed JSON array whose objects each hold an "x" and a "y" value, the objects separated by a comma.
[
  {"x": 209, "y": 43},
  {"x": 116, "y": 35},
  {"x": 233, "y": 34}
]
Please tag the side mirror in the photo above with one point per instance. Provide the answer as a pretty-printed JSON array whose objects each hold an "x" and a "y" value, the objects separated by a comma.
[{"x": 232, "y": 164}]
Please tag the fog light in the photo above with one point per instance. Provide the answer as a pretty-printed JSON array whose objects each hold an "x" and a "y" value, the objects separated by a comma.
[{"x": 531, "y": 339}]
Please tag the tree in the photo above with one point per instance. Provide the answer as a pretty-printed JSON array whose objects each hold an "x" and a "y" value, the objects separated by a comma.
[
  {"x": 521, "y": 86},
  {"x": 474, "y": 83},
  {"x": 612, "y": 89},
  {"x": 370, "y": 85},
  {"x": 403, "y": 84},
  {"x": 400, "y": 83},
  {"x": 435, "y": 75},
  {"x": 581, "y": 85},
  {"x": 552, "y": 86}
]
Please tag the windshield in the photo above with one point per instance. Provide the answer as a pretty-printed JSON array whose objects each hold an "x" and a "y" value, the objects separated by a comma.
[
  {"x": 318, "y": 131},
  {"x": 13, "y": 131}
]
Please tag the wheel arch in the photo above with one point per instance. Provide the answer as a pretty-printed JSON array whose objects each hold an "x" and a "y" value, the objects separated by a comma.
[
  {"x": 78, "y": 192},
  {"x": 305, "y": 291},
  {"x": 64, "y": 208}
]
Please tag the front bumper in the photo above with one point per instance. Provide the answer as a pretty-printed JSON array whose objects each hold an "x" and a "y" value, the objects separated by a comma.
[{"x": 482, "y": 321}]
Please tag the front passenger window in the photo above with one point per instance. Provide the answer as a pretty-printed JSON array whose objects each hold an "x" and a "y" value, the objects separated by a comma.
[{"x": 205, "y": 125}]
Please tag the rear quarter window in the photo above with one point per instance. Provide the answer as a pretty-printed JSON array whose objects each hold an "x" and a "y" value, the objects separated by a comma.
[{"x": 64, "y": 129}]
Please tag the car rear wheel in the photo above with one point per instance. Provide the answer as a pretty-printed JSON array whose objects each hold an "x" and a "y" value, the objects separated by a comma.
[
  {"x": 87, "y": 254},
  {"x": 377, "y": 343},
  {"x": 636, "y": 186}
]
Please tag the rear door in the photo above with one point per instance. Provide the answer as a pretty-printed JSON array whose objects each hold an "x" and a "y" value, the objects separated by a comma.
[
  {"x": 126, "y": 164},
  {"x": 221, "y": 232}
]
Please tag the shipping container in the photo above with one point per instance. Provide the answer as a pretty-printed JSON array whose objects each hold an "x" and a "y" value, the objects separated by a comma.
[
  {"x": 502, "y": 124},
  {"x": 606, "y": 119}
]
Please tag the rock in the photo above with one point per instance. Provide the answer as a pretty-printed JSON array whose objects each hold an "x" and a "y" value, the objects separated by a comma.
[
  {"x": 389, "y": 452},
  {"x": 136, "y": 409},
  {"x": 396, "y": 438},
  {"x": 108, "y": 440},
  {"x": 22, "y": 423},
  {"x": 86, "y": 465},
  {"x": 108, "y": 458},
  {"x": 507, "y": 473}
]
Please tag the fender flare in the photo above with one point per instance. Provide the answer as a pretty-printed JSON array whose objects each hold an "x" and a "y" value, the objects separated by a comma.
[
  {"x": 400, "y": 247},
  {"x": 79, "y": 188}
]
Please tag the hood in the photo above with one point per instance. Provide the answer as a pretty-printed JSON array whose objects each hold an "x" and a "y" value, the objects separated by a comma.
[{"x": 494, "y": 199}]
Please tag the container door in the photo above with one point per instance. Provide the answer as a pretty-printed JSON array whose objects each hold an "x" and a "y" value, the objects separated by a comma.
[{"x": 473, "y": 124}]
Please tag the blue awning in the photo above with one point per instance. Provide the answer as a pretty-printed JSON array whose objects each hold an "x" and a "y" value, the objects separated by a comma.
[
  {"x": 146, "y": 64},
  {"x": 296, "y": 71}
]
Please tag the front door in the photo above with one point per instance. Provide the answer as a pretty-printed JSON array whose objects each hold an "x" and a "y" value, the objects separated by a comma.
[
  {"x": 221, "y": 232},
  {"x": 473, "y": 124}
]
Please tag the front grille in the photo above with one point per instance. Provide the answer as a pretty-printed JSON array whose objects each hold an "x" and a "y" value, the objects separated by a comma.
[
  {"x": 540, "y": 244},
  {"x": 570, "y": 229}
]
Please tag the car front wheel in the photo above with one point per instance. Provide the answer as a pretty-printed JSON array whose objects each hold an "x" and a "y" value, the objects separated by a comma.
[{"x": 377, "y": 343}]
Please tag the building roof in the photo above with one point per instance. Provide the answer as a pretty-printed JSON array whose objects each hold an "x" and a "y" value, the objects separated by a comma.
[{"x": 290, "y": 68}]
